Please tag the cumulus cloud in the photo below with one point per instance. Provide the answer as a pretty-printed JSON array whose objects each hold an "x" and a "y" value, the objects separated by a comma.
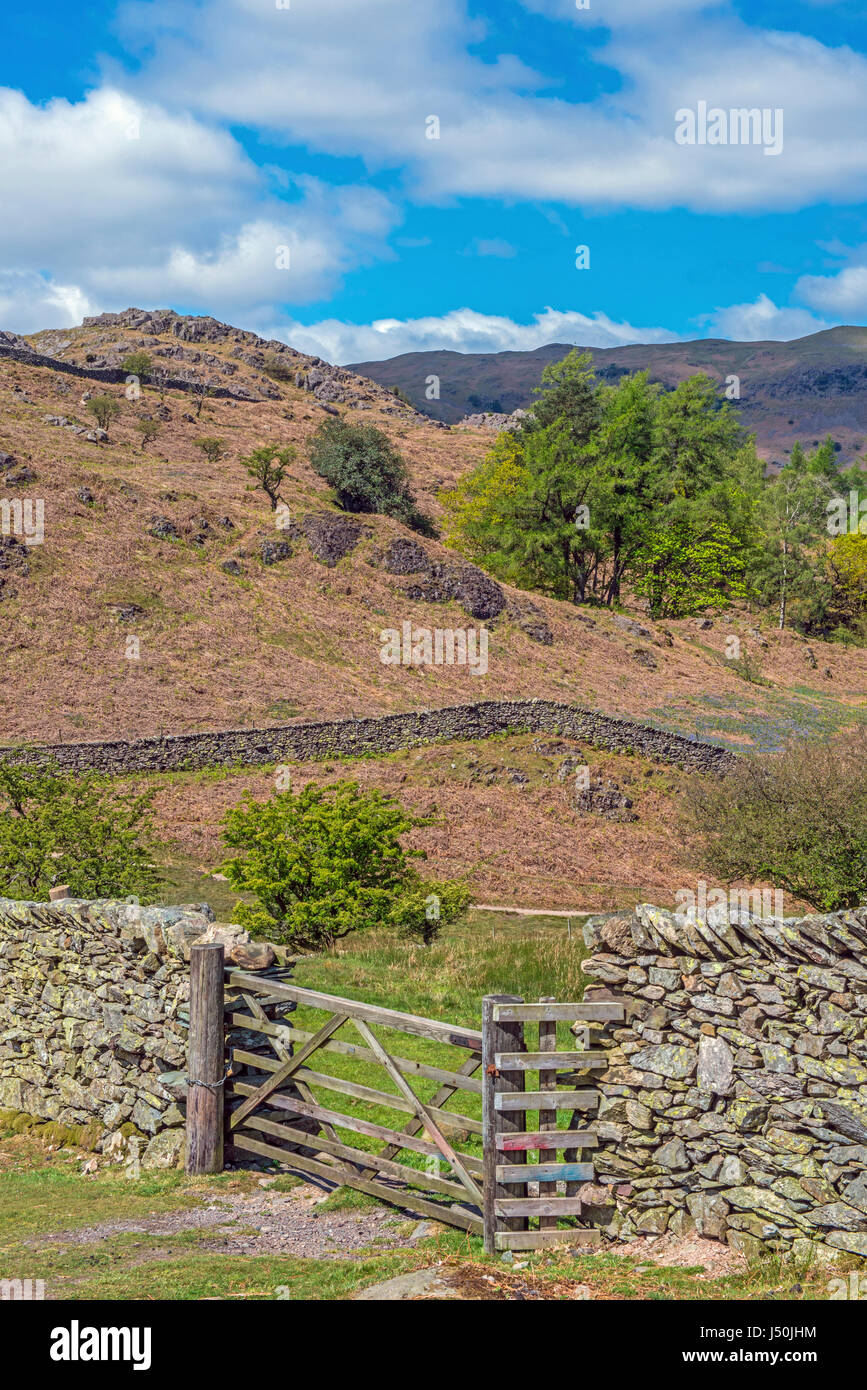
[
  {"x": 387, "y": 66},
  {"x": 128, "y": 202},
  {"x": 461, "y": 330},
  {"x": 843, "y": 294},
  {"x": 30, "y": 301},
  {"x": 763, "y": 320}
]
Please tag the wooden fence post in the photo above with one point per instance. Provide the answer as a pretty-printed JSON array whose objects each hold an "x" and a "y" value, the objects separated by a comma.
[
  {"x": 499, "y": 1037},
  {"x": 205, "y": 1066}
]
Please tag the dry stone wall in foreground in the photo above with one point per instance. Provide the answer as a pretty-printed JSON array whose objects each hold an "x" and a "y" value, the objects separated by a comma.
[{"x": 735, "y": 1099}]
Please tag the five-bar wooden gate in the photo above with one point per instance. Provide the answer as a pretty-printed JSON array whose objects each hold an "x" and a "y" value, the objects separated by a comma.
[
  {"x": 453, "y": 1140},
  {"x": 275, "y": 1110}
]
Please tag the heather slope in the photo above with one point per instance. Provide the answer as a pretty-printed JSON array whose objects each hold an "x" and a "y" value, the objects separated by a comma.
[{"x": 136, "y": 540}]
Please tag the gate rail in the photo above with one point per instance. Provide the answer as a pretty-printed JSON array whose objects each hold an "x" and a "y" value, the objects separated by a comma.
[{"x": 518, "y": 1190}]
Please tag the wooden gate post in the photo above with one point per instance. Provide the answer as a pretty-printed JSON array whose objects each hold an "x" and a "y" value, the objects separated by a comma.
[
  {"x": 206, "y": 1070},
  {"x": 499, "y": 1037}
]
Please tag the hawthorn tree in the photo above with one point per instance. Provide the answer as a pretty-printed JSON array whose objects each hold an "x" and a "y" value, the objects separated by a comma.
[
  {"x": 327, "y": 861},
  {"x": 268, "y": 467}
]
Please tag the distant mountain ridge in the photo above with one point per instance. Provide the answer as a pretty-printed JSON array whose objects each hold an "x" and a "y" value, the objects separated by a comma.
[{"x": 789, "y": 391}]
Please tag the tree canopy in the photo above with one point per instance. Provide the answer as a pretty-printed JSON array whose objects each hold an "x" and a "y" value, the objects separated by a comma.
[{"x": 603, "y": 486}]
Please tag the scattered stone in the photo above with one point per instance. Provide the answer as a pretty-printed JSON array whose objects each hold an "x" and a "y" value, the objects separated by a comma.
[
  {"x": 330, "y": 536},
  {"x": 604, "y": 798},
  {"x": 163, "y": 529},
  {"x": 271, "y": 552},
  {"x": 630, "y": 625}
]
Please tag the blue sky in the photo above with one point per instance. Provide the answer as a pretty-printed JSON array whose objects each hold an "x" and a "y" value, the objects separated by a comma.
[{"x": 268, "y": 162}]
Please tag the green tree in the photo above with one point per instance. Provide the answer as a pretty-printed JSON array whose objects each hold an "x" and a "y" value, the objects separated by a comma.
[
  {"x": 796, "y": 819},
  {"x": 793, "y": 523},
  {"x": 366, "y": 471},
  {"x": 138, "y": 364},
  {"x": 685, "y": 569},
  {"x": 268, "y": 466},
  {"x": 476, "y": 508},
  {"x": 323, "y": 863},
  {"x": 422, "y": 911},
  {"x": 847, "y": 570},
  {"x": 104, "y": 409},
  {"x": 214, "y": 449},
  {"x": 58, "y": 828},
  {"x": 568, "y": 395}
]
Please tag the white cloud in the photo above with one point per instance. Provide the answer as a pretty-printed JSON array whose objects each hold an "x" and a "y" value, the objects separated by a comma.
[
  {"x": 762, "y": 320},
  {"x": 128, "y": 202},
  {"x": 844, "y": 294},
  {"x": 30, "y": 301},
  {"x": 461, "y": 330},
  {"x": 492, "y": 246},
  {"x": 360, "y": 80}
]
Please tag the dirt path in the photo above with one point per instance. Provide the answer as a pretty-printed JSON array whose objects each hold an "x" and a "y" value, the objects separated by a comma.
[{"x": 261, "y": 1223}]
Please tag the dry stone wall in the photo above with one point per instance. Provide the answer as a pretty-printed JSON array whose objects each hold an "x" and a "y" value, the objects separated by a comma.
[
  {"x": 384, "y": 734},
  {"x": 93, "y": 999},
  {"x": 735, "y": 1098},
  {"x": 114, "y": 375}
]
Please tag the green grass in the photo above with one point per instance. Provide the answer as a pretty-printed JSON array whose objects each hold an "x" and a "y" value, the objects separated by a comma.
[{"x": 42, "y": 1196}]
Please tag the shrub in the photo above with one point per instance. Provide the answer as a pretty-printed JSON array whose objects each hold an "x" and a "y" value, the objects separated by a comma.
[
  {"x": 326, "y": 862},
  {"x": 104, "y": 409},
  {"x": 212, "y": 448},
  {"x": 366, "y": 471},
  {"x": 275, "y": 366},
  {"x": 796, "y": 819},
  {"x": 425, "y": 908},
  {"x": 58, "y": 828},
  {"x": 148, "y": 429},
  {"x": 138, "y": 364}
]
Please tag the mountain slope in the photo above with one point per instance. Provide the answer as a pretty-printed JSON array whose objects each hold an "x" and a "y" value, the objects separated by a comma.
[
  {"x": 165, "y": 599},
  {"x": 803, "y": 390}
]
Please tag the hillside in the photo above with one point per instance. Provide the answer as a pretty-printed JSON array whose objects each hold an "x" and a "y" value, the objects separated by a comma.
[
  {"x": 802, "y": 390},
  {"x": 155, "y": 551}
]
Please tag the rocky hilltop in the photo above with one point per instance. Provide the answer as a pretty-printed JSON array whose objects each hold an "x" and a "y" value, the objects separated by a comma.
[{"x": 193, "y": 349}]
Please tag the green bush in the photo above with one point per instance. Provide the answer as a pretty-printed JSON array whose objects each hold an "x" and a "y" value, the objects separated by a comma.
[
  {"x": 57, "y": 828},
  {"x": 366, "y": 471},
  {"x": 328, "y": 861},
  {"x": 267, "y": 465},
  {"x": 138, "y": 364},
  {"x": 214, "y": 448},
  {"x": 104, "y": 409},
  {"x": 148, "y": 429},
  {"x": 797, "y": 820}
]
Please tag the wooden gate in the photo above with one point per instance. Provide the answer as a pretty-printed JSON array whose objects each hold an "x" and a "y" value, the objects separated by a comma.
[
  {"x": 322, "y": 1085},
  {"x": 430, "y": 1163},
  {"x": 517, "y": 1190}
]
